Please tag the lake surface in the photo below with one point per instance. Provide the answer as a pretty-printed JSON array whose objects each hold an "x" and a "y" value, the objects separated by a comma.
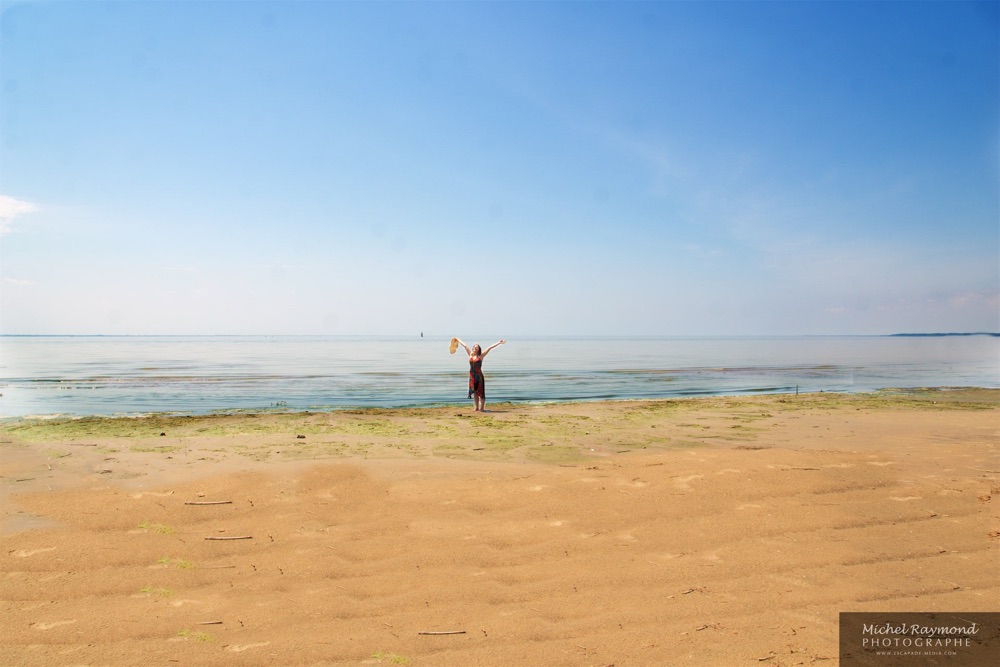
[{"x": 128, "y": 375}]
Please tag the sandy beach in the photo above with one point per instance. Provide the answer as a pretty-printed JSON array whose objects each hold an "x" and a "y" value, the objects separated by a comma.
[{"x": 713, "y": 531}]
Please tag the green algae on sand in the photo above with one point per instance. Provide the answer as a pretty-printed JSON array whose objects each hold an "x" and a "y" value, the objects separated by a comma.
[{"x": 551, "y": 432}]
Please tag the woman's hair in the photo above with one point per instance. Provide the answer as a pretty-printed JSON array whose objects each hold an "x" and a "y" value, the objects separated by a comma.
[{"x": 476, "y": 349}]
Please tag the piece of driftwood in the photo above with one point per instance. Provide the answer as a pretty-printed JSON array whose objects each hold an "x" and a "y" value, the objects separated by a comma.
[
  {"x": 230, "y": 537},
  {"x": 442, "y": 632},
  {"x": 210, "y": 623},
  {"x": 208, "y": 502}
]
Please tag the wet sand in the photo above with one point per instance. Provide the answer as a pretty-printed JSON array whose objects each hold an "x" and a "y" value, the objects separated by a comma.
[{"x": 716, "y": 531}]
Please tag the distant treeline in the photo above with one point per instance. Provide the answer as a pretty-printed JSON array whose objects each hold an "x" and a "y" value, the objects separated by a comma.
[{"x": 928, "y": 335}]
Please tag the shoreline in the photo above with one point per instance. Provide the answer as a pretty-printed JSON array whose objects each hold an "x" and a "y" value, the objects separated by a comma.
[
  {"x": 284, "y": 410},
  {"x": 705, "y": 531}
]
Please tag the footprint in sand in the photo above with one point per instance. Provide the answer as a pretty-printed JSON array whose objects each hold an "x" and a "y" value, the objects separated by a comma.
[
  {"x": 795, "y": 581},
  {"x": 239, "y": 648},
  {"x": 49, "y": 626},
  {"x": 158, "y": 494},
  {"x": 25, "y": 553},
  {"x": 682, "y": 482}
]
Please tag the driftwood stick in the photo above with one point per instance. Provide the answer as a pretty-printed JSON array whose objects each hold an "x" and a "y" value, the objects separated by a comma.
[
  {"x": 231, "y": 537},
  {"x": 208, "y": 502},
  {"x": 210, "y": 623},
  {"x": 443, "y": 632}
]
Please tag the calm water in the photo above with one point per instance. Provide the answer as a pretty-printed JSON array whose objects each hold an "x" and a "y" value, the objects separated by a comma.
[{"x": 197, "y": 375}]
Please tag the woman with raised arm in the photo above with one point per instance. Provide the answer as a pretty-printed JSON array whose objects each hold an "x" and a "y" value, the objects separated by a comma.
[{"x": 477, "y": 382}]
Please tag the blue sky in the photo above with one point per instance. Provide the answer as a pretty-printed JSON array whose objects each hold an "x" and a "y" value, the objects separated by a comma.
[{"x": 499, "y": 169}]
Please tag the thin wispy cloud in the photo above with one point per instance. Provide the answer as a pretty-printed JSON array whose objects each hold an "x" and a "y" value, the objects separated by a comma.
[
  {"x": 11, "y": 209},
  {"x": 20, "y": 282}
]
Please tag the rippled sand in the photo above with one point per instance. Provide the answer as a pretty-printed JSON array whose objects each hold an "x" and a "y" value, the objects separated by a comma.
[{"x": 717, "y": 531}]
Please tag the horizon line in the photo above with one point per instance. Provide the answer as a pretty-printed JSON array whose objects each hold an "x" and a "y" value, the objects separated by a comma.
[{"x": 518, "y": 335}]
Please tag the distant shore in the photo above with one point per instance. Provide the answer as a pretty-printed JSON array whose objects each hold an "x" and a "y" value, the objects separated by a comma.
[
  {"x": 940, "y": 335},
  {"x": 709, "y": 531}
]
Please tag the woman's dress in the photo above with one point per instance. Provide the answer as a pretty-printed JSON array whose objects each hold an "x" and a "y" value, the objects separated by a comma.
[{"x": 477, "y": 383}]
